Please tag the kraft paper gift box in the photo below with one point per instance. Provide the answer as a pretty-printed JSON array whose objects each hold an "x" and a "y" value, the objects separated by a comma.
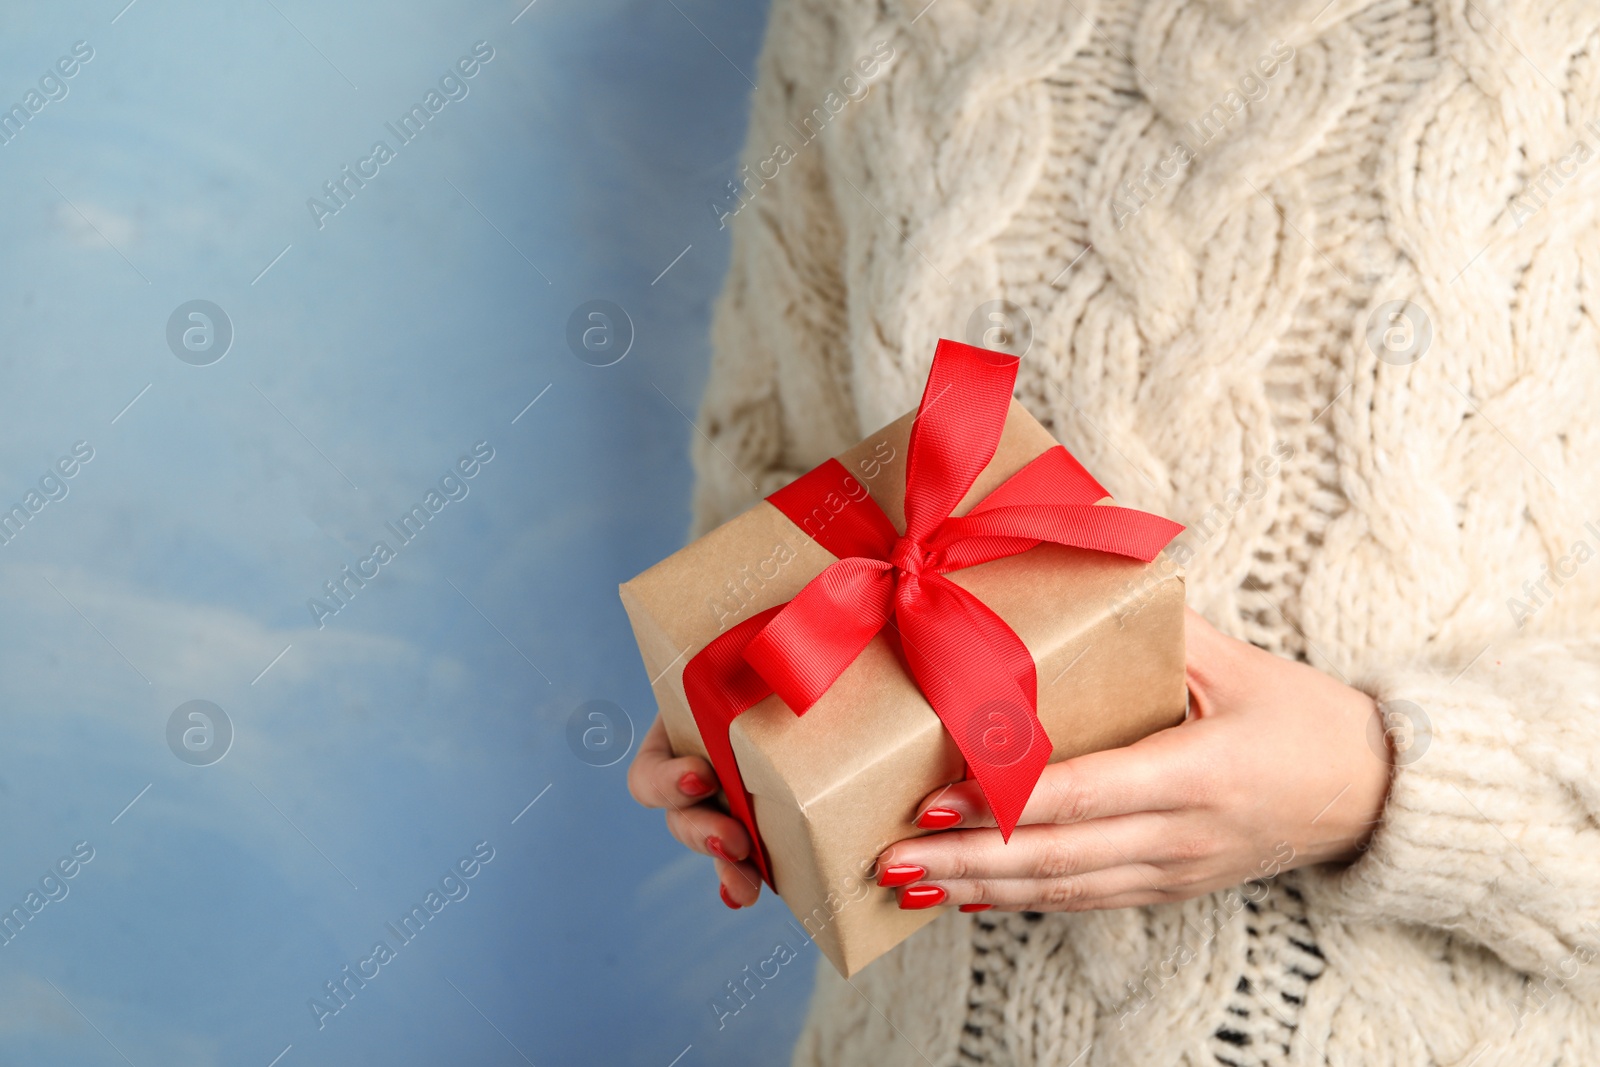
[{"x": 833, "y": 788}]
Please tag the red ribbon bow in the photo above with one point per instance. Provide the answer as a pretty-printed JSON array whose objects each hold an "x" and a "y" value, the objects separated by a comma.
[{"x": 971, "y": 666}]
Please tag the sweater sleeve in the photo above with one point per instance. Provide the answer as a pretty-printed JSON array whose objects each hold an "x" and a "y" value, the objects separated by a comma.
[
  {"x": 776, "y": 402},
  {"x": 1492, "y": 827}
]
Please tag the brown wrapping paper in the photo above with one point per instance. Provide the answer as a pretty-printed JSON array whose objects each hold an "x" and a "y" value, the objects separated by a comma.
[{"x": 835, "y": 787}]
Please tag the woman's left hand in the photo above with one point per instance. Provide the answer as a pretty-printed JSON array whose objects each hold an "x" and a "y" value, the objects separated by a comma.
[{"x": 1276, "y": 767}]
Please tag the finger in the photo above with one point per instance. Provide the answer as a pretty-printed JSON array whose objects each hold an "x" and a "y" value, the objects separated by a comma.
[
  {"x": 1045, "y": 851},
  {"x": 658, "y": 779},
  {"x": 710, "y": 832},
  {"x": 1210, "y": 663},
  {"x": 741, "y": 883},
  {"x": 1083, "y": 892},
  {"x": 1139, "y": 898},
  {"x": 1155, "y": 774}
]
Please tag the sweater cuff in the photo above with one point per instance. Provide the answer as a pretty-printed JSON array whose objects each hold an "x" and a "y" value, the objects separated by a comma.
[{"x": 1460, "y": 796}]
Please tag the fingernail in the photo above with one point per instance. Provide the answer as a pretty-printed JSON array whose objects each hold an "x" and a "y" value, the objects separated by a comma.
[
  {"x": 717, "y": 849},
  {"x": 726, "y": 899},
  {"x": 693, "y": 785},
  {"x": 975, "y": 907},
  {"x": 899, "y": 874},
  {"x": 921, "y": 896},
  {"x": 938, "y": 819}
]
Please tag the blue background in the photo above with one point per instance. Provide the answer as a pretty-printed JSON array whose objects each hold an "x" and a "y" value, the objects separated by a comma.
[{"x": 372, "y": 753}]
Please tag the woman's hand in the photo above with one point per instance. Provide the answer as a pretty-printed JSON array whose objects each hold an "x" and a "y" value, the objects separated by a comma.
[
  {"x": 685, "y": 785},
  {"x": 1275, "y": 768}
]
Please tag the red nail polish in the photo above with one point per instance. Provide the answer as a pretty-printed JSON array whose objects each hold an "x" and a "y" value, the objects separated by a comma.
[
  {"x": 975, "y": 907},
  {"x": 899, "y": 874},
  {"x": 938, "y": 819},
  {"x": 718, "y": 849},
  {"x": 726, "y": 899},
  {"x": 693, "y": 785},
  {"x": 921, "y": 896}
]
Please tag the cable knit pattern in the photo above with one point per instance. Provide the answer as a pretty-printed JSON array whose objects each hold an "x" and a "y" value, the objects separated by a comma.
[{"x": 1200, "y": 339}]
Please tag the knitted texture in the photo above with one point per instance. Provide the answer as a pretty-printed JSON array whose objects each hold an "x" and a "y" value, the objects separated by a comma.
[{"x": 1408, "y": 500}]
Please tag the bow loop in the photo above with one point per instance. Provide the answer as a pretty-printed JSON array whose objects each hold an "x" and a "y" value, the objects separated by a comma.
[
  {"x": 956, "y": 431},
  {"x": 822, "y": 630}
]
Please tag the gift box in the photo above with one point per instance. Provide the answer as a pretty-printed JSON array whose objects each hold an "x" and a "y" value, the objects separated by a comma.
[{"x": 838, "y": 662}]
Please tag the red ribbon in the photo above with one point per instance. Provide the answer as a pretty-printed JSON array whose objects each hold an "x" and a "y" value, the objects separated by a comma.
[{"x": 971, "y": 666}]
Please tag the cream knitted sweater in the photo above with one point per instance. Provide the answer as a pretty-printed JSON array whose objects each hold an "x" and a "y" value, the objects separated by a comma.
[{"x": 1319, "y": 279}]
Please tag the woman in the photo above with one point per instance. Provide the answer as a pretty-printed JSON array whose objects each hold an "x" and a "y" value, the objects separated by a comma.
[{"x": 1317, "y": 279}]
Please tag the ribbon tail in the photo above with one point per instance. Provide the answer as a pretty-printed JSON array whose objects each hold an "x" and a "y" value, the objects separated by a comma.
[
  {"x": 721, "y": 686},
  {"x": 954, "y": 437},
  {"x": 967, "y": 670}
]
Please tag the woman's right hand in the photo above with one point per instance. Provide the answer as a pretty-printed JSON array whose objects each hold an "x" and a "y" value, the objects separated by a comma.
[{"x": 686, "y": 787}]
